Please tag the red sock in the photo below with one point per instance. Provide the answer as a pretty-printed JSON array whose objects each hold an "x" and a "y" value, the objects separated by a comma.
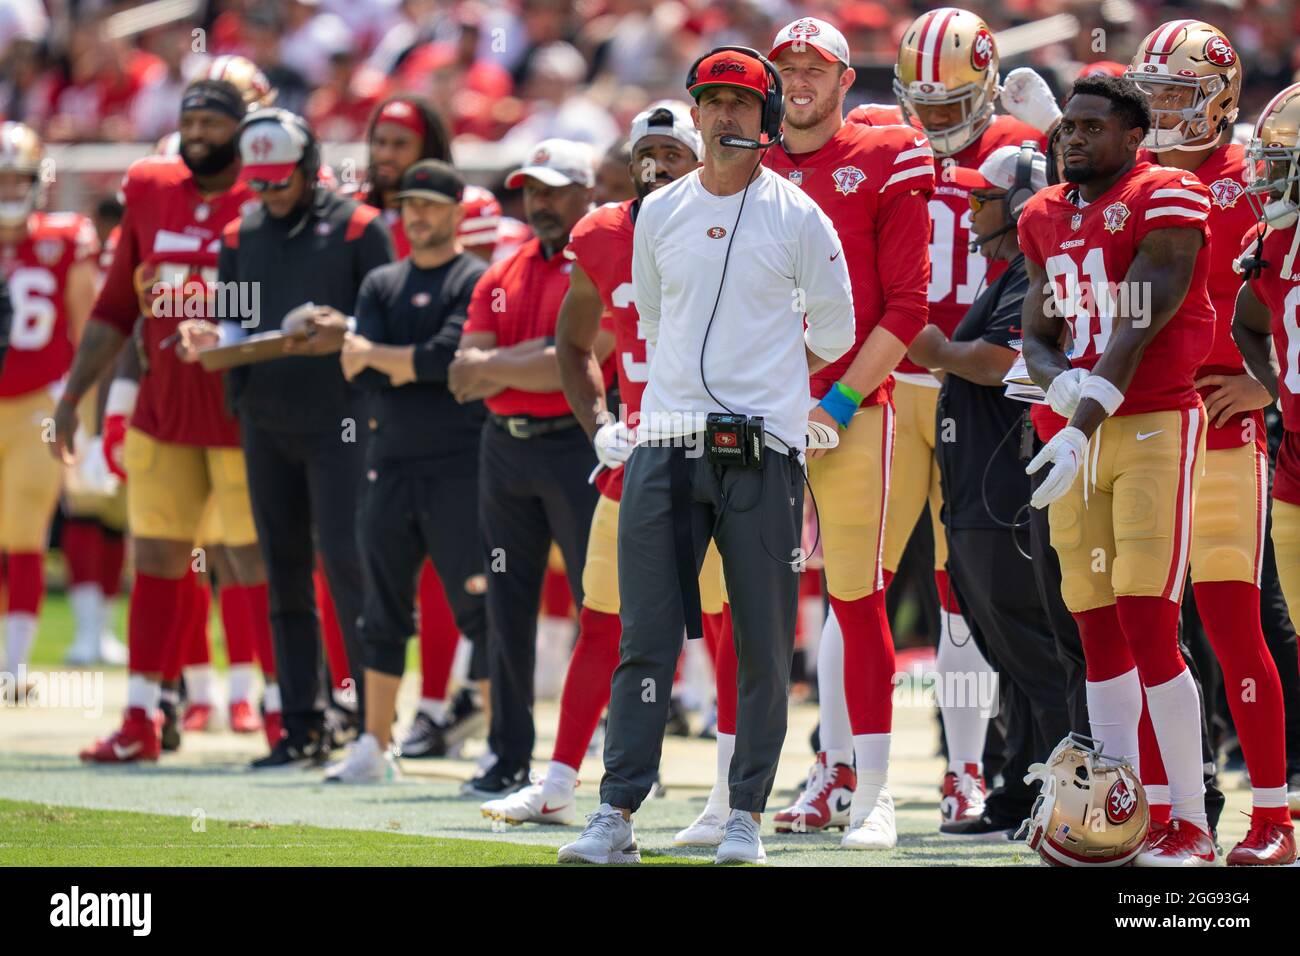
[
  {"x": 81, "y": 551},
  {"x": 198, "y": 647},
  {"x": 1152, "y": 765},
  {"x": 181, "y": 633},
  {"x": 947, "y": 599},
  {"x": 112, "y": 555},
  {"x": 713, "y": 624},
  {"x": 724, "y": 674},
  {"x": 157, "y": 605},
  {"x": 1230, "y": 612},
  {"x": 586, "y": 684},
  {"x": 235, "y": 624},
  {"x": 557, "y": 599},
  {"x": 26, "y": 581},
  {"x": 335, "y": 649},
  {"x": 439, "y": 635},
  {"x": 868, "y": 662},
  {"x": 257, "y": 598},
  {"x": 1151, "y": 628},
  {"x": 1105, "y": 650}
]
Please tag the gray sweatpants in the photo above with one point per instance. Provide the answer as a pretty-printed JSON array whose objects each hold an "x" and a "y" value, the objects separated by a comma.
[{"x": 756, "y": 517}]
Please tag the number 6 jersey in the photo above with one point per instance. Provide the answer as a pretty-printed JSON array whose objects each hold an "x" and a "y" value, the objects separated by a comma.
[{"x": 1086, "y": 250}]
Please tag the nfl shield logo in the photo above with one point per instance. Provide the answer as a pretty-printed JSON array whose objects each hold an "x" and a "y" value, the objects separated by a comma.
[
  {"x": 1076, "y": 221},
  {"x": 848, "y": 179},
  {"x": 49, "y": 251},
  {"x": 796, "y": 176}
]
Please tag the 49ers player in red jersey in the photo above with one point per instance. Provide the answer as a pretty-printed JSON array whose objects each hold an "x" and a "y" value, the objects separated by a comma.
[
  {"x": 48, "y": 262},
  {"x": 183, "y": 445},
  {"x": 946, "y": 82},
  {"x": 1120, "y": 253},
  {"x": 1192, "y": 79},
  {"x": 873, "y": 182}
]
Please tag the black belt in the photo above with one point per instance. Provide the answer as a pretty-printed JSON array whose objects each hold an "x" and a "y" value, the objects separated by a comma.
[{"x": 525, "y": 426}]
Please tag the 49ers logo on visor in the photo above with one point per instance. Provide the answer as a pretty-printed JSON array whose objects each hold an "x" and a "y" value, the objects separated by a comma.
[
  {"x": 261, "y": 147},
  {"x": 1114, "y": 216},
  {"x": 727, "y": 66},
  {"x": 717, "y": 232},
  {"x": 1226, "y": 192},
  {"x": 1218, "y": 52},
  {"x": 981, "y": 49},
  {"x": 541, "y": 156},
  {"x": 848, "y": 179},
  {"x": 1121, "y": 801}
]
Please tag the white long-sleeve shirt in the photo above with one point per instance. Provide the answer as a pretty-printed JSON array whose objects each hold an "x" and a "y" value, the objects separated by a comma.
[{"x": 786, "y": 260}]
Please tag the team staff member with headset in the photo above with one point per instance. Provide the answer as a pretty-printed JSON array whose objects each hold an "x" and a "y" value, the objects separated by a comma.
[
  {"x": 986, "y": 490},
  {"x": 728, "y": 262},
  {"x": 306, "y": 251}
]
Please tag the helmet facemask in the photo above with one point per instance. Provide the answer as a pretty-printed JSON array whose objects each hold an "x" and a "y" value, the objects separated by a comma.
[
  {"x": 1179, "y": 114},
  {"x": 976, "y": 108},
  {"x": 1274, "y": 194}
]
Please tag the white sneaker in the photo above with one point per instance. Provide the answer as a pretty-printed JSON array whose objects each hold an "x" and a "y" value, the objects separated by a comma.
[
  {"x": 533, "y": 804},
  {"x": 363, "y": 762},
  {"x": 877, "y": 830},
  {"x": 706, "y": 830},
  {"x": 607, "y": 838},
  {"x": 740, "y": 841},
  {"x": 111, "y": 650},
  {"x": 85, "y": 651}
]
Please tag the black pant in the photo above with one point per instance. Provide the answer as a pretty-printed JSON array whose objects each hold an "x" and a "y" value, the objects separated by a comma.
[
  {"x": 995, "y": 587},
  {"x": 304, "y": 494},
  {"x": 403, "y": 517},
  {"x": 533, "y": 491}
]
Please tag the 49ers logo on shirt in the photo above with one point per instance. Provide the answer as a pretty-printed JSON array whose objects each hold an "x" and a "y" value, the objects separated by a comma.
[
  {"x": 1226, "y": 192},
  {"x": 1114, "y": 216},
  {"x": 717, "y": 232},
  {"x": 1121, "y": 801},
  {"x": 981, "y": 50},
  {"x": 48, "y": 251},
  {"x": 1218, "y": 52},
  {"x": 848, "y": 179}
]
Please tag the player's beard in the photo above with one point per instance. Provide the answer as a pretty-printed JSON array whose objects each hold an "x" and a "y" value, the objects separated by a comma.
[
  {"x": 1079, "y": 174},
  {"x": 814, "y": 119},
  {"x": 433, "y": 240},
  {"x": 215, "y": 160}
]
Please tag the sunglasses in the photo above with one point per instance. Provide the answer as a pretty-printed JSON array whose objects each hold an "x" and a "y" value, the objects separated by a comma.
[
  {"x": 979, "y": 202},
  {"x": 266, "y": 185}
]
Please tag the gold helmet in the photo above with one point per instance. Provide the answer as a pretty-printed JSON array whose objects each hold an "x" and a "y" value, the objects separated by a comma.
[
  {"x": 1091, "y": 810},
  {"x": 948, "y": 57},
  {"x": 1275, "y": 147},
  {"x": 21, "y": 151},
  {"x": 1191, "y": 75},
  {"x": 244, "y": 75}
]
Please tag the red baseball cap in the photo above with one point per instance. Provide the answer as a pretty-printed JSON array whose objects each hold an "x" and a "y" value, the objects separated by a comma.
[{"x": 729, "y": 68}]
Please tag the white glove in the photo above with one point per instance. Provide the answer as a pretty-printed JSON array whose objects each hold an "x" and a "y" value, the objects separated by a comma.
[
  {"x": 92, "y": 468},
  {"x": 614, "y": 445},
  {"x": 1063, "y": 392},
  {"x": 1066, "y": 451},
  {"x": 1025, "y": 95},
  {"x": 819, "y": 436}
]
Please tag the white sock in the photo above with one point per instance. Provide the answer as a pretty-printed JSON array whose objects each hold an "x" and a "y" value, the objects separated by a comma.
[
  {"x": 241, "y": 681},
  {"x": 813, "y": 617},
  {"x": 271, "y": 699},
  {"x": 697, "y": 677},
  {"x": 872, "y": 754},
  {"x": 1263, "y": 797},
  {"x": 560, "y": 778},
  {"x": 720, "y": 795},
  {"x": 198, "y": 683},
  {"x": 435, "y": 710},
  {"x": 965, "y": 681},
  {"x": 20, "y": 635},
  {"x": 832, "y": 706},
  {"x": 1157, "y": 794},
  {"x": 143, "y": 693},
  {"x": 1114, "y": 709},
  {"x": 1175, "y": 715},
  {"x": 87, "y": 601}
]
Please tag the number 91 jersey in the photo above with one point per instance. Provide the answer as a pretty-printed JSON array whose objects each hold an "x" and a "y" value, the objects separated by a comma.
[
  {"x": 36, "y": 272},
  {"x": 1086, "y": 253}
]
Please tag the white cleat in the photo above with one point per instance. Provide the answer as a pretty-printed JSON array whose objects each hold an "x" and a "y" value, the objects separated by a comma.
[
  {"x": 607, "y": 838},
  {"x": 706, "y": 830},
  {"x": 877, "y": 831},
  {"x": 111, "y": 650},
  {"x": 533, "y": 804},
  {"x": 364, "y": 762},
  {"x": 740, "y": 840}
]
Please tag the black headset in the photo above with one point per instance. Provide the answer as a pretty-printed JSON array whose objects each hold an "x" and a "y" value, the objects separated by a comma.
[
  {"x": 1022, "y": 187},
  {"x": 310, "y": 162},
  {"x": 773, "y": 102}
]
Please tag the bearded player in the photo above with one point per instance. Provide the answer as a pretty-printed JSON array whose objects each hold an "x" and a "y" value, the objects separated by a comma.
[
  {"x": 1192, "y": 79},
  {"x": 49, "y": 265},
  {"x": 598, "y": 316},
  {"x": 875, "y": 183},
  {"x": 946, "y": 82},
  {"x": 1119, "y": 254},
  {"x": 1269, "y": 302},
  {"x": 183, "y": 445}
]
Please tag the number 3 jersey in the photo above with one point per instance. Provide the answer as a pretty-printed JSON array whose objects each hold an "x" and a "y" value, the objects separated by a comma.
[
  {"x": 1086, "y": 251},
  {"x": 36, "y": 272}
]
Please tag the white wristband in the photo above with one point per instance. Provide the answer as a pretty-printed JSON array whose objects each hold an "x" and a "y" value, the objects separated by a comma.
[
  {"x": 121, "y": 397},
  {"x": 1103, "y": 392}
]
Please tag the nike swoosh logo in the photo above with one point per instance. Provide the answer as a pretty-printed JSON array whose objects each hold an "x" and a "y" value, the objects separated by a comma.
[
  {"x": 126, "y": 753},
  {"x": 842, "y": 804},
  {"x": 836, "y": 256},
  {"x": 547, "y": 808},
  {"x": 1143, "y": 436}
]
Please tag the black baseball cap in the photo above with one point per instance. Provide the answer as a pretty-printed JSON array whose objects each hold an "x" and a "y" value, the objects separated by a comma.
[{"x": 431, "y": 179}]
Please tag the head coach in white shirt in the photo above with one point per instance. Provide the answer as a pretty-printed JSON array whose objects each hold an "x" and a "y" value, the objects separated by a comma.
[{"x": 742, "y": 291}]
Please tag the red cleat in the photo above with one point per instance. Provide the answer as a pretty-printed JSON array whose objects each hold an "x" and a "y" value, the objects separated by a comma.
[
  {"x": 963, "y": 795},
  {"x": 134, "y": 741},
  {"x": 825, "y": 801},
  {"x": 243, "y": 719},
  {"x": 1181, "y": 844},
  {"x": 274, "y": 727},
  {"x": 197, "y": 717},
  {"x": 1265, "y": 844}
]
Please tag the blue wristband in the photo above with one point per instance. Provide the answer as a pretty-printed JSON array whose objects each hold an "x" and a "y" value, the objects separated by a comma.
[{"x": 840, "y": 405}]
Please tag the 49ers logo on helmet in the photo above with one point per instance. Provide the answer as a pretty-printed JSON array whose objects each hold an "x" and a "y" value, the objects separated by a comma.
[
  {"x": 1218, "y": 52},
  {"x": 1121, "y": 801},
  {"x": 717, "y": 232},
  {"x": 981, "y": 49}
]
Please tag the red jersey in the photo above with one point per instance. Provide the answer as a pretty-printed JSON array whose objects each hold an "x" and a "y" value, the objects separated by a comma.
[
  {"x": 872, "y": 182},
  {"x": 1282, "y": 297},
  {"x": 165, "y": 258},
  {"x": 957, "y": 275},
  {"x": 36, "y": 272},
  {"x": 1086, "y": 253}
]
